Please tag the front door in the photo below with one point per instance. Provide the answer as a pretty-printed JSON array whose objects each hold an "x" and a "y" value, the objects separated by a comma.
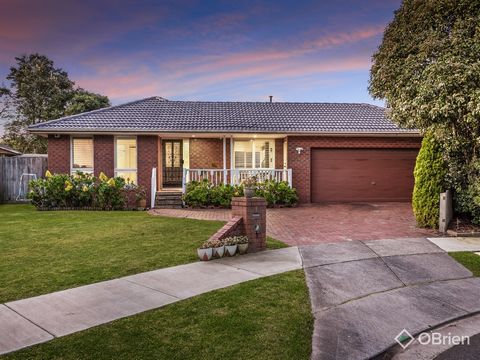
[{"x": 172, "y": 163}]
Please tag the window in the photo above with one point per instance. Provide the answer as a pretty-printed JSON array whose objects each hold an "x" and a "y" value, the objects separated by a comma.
[
  {"x": 126, "y": 158},
  {"x": 243, "y": 154},
  {"x": 254, "y": 154},
  {"x": 82, "y": 155}
]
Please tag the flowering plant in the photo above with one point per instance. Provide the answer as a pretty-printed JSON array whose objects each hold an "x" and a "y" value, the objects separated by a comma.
[
  {"x": 210, "y": 243},
  {"x": 250, "y": 182},
  {"x": 229, "y": 241}
]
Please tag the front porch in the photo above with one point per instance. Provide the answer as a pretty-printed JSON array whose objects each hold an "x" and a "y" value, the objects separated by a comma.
[
  {"x": 217, "y": 158},
  {"x": 220, "y": 159}
]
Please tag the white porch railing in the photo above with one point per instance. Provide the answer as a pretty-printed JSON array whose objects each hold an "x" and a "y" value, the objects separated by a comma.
[{"x": 234, "y": 176}]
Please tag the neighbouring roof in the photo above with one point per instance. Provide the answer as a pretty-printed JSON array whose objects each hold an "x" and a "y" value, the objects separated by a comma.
[
  {"x": 7, "y": 150},
  {"x": 156, "y": 114}
]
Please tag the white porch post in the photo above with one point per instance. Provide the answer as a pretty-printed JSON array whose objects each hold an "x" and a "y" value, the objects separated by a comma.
[
  {"x": 253, "y": 155},
  {"x": 285, "y": 160},
  {"x": 231, "y": 160},
  {"x": 224, "y": 160}
]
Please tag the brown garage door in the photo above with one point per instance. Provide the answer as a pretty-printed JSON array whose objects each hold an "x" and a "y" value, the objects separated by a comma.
[{"x": 362, "y": 174}]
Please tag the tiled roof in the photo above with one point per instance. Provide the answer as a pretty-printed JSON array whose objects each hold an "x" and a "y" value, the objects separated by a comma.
[
  {"x": 8, "y": 149},
  {"x": 156, "y": 114}
]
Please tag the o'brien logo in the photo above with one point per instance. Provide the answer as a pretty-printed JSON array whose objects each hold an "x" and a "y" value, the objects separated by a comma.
[{"x": 404, "y": 339}]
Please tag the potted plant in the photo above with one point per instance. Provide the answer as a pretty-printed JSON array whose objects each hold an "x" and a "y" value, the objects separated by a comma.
[
  {"x": 205, "y": 251},
  {"x": 242, "y": 244},
  {"x": 230, "y": 246},
  {"x": 141, "y": 197},
  {"x": 218, "y": 248},
  {"x": 249, "y": 186}
]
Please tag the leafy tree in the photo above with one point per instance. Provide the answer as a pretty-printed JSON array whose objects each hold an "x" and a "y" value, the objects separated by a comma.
[
  {"x": 429, "y": 182},
  {"x": 5, "y": 102},
  {"x": 42, "y": 92},
  {"x": 428, "y": 71},
  {"x": 83, "y": 101}
]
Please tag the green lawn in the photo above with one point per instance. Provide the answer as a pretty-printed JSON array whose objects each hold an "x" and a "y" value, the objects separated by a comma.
[
  {"x": 45, "y": 251},
  {"x": 268, "y": 318},
  {"x": 468, "y": 259}
]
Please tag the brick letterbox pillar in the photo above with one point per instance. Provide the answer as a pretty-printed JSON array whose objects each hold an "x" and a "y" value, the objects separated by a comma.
[{"x": 254, "y": 214}]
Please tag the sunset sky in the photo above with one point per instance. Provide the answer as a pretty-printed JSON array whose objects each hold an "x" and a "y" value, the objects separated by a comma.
[{"x": 315, "y": 51}]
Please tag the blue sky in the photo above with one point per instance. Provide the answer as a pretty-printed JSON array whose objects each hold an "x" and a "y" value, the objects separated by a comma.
[{"x": 203, "y": 50}]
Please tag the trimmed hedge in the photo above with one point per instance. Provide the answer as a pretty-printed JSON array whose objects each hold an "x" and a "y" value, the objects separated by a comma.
[
  {"x": 429, "y": 183},
  {"x": 205, "y": 194}
]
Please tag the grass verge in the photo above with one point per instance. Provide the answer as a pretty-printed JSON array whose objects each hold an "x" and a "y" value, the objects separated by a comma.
[
  {"x": 468, "y": 259},
  {"x": 268, "y": 318}
]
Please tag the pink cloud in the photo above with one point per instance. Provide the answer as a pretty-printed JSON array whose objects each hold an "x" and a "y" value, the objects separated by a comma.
[{"x": 269, "y": 56}]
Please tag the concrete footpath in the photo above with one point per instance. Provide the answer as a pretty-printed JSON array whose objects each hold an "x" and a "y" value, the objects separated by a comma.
[
  {"x": 364, "y": 293},
  {"x": 39, "y": 319}
]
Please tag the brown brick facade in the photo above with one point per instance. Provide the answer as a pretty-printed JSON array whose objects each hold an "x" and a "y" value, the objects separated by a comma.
[
  {"x": 147, "y": 158},
  {"x": 301, "y": 163},
  {"x": 103, "y": 155},
  {"x": 59, "y": 154},
  {"x": 279, "y": 153},
  {"x": 208, "y": 154}
]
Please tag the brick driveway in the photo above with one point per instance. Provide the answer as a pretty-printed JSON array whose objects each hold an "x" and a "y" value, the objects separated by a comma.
[{"x": 325, "y": 223}]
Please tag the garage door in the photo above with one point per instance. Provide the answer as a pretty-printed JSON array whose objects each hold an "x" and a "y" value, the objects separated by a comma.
[{"x": 362, "y": 174}]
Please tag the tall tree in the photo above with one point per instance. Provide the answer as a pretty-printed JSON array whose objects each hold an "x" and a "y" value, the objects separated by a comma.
[
  {"x": 427, "y": 69},
  {"x": 83, "y": 100},
  {"x": 42, "y": 92},
  {"x": 5, "y": 102}
]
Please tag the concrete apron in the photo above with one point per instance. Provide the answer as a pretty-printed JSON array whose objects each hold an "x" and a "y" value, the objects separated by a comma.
[
  {"x": 39, "y": 319},
  {"x": 364, "y": 294}
]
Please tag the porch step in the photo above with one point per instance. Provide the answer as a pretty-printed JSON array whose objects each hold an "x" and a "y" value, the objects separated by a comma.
[{"x": 168, "y": 200}]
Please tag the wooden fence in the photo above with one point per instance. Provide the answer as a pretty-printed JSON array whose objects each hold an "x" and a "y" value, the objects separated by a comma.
[{"x": 11, "y": 170}]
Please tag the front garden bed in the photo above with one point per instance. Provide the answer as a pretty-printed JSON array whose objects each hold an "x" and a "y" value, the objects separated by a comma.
[
  {"x": 82, "y": 191},
  {"x": 463, "y": 227},
  {"x": 204, "y": 194}
]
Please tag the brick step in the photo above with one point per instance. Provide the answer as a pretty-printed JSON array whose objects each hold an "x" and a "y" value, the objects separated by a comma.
[
  {"x": 169, "y": 202},
  {"x": 168, "y": 196},
  {"x": 157, "y": 206}
]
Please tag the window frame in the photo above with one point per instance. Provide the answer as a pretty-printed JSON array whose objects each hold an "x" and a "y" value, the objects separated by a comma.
[
  {"x": 74, "y": 170},
  {"x": 254, "y": 151},
  {"x": 117, "y": 170}
]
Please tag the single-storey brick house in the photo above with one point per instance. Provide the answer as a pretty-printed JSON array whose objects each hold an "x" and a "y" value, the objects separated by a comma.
[{"x": 328, "y": 151}]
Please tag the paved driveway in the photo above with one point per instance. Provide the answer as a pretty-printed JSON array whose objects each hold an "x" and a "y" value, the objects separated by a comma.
[
  {"x": 317, "y": 223},
  {"x": 364, "y": 293},
  {"x": 328, "y": 223}
]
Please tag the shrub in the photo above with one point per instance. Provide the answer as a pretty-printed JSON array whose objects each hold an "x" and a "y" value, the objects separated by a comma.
[
  {"x": 197, "y": 193},
  {"x": 429, "y": 183},
  {"x": 110, "y": 194},
  {"x": 203, "y": 193},
  {"x": 82, "y": 190},
  {"x": 277, "y": 193},
  {"x": 467, "y": 195},
  {"x": 467, "y": 201}
]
